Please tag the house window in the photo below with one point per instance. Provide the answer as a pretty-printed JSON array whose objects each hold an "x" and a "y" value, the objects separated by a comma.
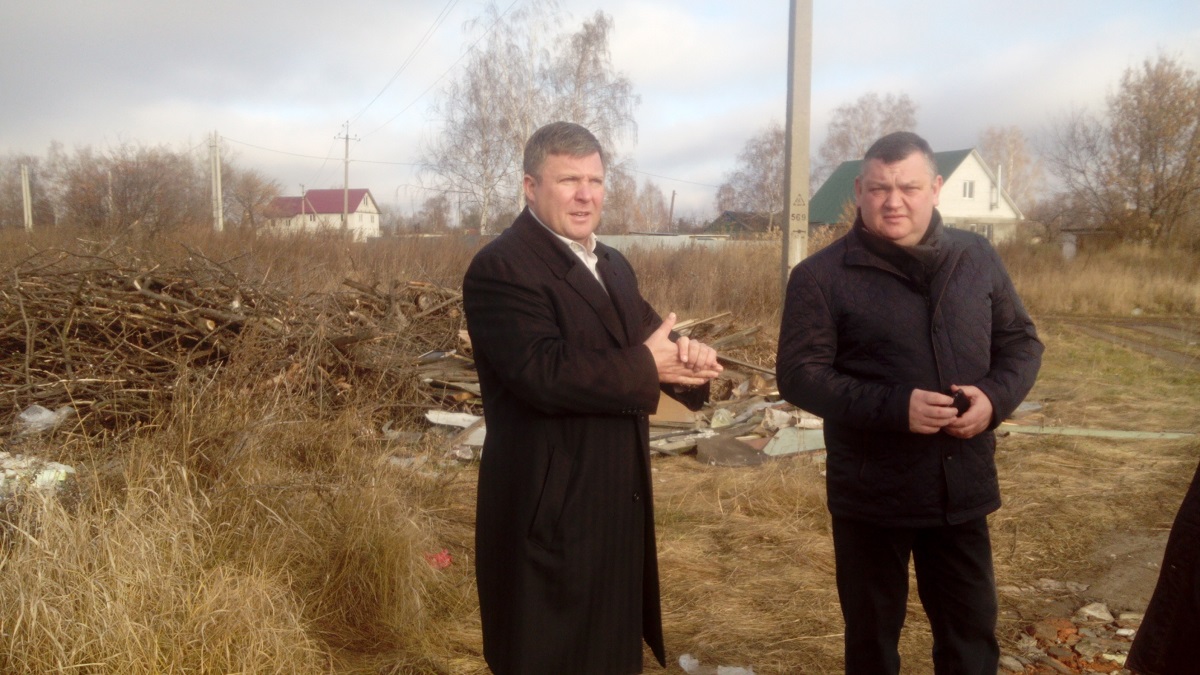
[
  {"x": 968, "y": 189},
  {"x": 312, "y": 217}
]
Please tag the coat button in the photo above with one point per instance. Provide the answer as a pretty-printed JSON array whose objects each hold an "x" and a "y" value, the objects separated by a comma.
[{"x": 636, "y": 497}]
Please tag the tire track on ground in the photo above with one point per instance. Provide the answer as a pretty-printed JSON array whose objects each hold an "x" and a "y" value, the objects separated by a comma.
[{"x": 1170, "y": 356}]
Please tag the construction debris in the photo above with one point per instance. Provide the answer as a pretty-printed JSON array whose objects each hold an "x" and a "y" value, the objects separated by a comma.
[
  {"x": 19, "y": 472},
  {"x": 1091, "y": 641}
]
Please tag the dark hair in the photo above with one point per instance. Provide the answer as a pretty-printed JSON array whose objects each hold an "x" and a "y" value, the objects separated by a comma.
[
  {"x": 897, "y": 146},
  {"x": 559, "y": 138}
]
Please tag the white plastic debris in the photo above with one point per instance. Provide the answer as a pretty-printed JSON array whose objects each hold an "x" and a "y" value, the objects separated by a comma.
[
  {"x": 1096, "y": 611},
  {"x": 18, "y": 472},
  {"x": 721, "y": 419},
  {"x": 36, "y": 418},
  {"x": 451, "y": 419},
  {"x": 692, "y": 666}
]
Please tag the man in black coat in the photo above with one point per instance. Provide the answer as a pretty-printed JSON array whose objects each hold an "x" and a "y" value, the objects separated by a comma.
[
  {"x": 883, "y": 333},
  {"x": 571, "y": 361}
]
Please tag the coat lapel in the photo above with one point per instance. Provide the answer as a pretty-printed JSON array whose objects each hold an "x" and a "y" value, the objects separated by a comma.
[
  {"x": 567, "y": 266},
  {"x": 623, "y": 291},
  {"x": 585, "y": 284}
]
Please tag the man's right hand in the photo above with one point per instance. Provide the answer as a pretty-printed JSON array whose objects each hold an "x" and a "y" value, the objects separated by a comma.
[
  {"x": 929, "y": 411},
  {"x": 701, "y": 364}
]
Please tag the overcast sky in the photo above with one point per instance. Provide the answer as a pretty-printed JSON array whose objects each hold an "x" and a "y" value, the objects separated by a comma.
[{"x": 278, "y": 79}]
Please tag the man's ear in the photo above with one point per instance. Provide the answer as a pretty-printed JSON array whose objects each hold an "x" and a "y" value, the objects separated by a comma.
[{"x": 529, "y": 183}]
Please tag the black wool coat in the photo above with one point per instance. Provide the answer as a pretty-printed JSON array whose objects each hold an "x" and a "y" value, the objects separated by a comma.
[
  {"x": 565, "y": 549},
  {"x": 1166, "y": 643},
  {"x": 858, "y": 336}
]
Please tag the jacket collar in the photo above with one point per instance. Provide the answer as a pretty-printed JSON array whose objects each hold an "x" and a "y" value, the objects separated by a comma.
[{"x": 925, "y": 266}]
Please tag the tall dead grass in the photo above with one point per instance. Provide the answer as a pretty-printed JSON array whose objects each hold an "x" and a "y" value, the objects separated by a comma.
[
  {"x": 238, "y": 537},
  {"x": 1107, "y": 282}
]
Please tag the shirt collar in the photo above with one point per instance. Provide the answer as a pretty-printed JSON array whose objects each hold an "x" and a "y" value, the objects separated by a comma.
[{"x": 589, "y": 247}]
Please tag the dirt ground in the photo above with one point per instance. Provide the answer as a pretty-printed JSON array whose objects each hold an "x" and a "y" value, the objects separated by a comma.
[{"x": 1126, "y": 569}]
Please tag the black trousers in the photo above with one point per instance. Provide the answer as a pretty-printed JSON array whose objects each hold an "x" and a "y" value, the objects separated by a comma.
[{"x": 955, "y": 581}]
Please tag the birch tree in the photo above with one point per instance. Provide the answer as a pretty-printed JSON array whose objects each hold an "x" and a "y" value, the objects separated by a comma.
[
  {"x": 855, "y": 126},
  {"x": 515, "y": 81},
  {"x": 756, "y": 184},
  {"x": 1021, "y": 174}
]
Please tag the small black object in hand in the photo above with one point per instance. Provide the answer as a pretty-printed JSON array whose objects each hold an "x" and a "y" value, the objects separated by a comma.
[{"x": 961, "y": 402}]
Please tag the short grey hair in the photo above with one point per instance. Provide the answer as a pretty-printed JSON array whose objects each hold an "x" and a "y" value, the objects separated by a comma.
[
  {"x": 559, "y": 138},
  {"x": 896, "y": 147}
]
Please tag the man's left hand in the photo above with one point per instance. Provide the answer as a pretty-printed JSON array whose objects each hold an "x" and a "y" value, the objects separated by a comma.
[
  {"x": 977, "y": 417},
  {"x": 697, "y": 355},
  {"x": 690, "y": 363}
]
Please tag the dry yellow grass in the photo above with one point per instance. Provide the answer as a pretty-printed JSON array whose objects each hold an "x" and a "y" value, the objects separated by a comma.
[
  {"x": 1112, "y": 282},
  {"x": 248, "y": 530}
]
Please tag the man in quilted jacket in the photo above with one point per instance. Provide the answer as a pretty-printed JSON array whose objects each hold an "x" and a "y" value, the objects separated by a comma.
[{"x": 909, "y": 339}]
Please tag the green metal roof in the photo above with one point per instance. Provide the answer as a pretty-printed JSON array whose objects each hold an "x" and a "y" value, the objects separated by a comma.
[{"x": 826, "y": 205}]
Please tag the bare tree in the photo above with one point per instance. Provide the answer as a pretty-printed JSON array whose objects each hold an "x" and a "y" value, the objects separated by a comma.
[
  {"x": 651, "y": 208},
  {"x": 434, "y": 215},
  {"x": 856, "y": 125},
  {"x": 512, "y": 84},
  {"x": 248, "y": 193},
  {"x": 757, "y": 182},
  {"x": 80, "y": 187},
  {"x": 1137, "y": 170},
  {"x": 620, "y": 198},
  {"x": 150, "y": 188},
  {"x": 726, "y": 198},
  {"x": 1020, "y": 172}
]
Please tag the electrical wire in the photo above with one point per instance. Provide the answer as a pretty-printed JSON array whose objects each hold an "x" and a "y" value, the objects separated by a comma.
[
  {"x": 281, "y": 152},
  {"x": 677, "y": 180},
  {"x": 437, "y": 22},
  {"x": 446, "y": 72}
]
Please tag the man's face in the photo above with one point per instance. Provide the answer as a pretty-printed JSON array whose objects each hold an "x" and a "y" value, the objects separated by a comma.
[
  {"x": 897, "y": 200},
  {"x": 568, "y": 195}
]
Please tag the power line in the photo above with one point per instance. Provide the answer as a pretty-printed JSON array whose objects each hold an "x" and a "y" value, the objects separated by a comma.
[
  {"x": 437, "y": 22},
  {"x": 281, "y": 152},
  {"x": 326, "y": 158},
  {"x": 678, "y": 180},
  {"x": 371, "y": 161},
  {"x": 447, "y": 71}
]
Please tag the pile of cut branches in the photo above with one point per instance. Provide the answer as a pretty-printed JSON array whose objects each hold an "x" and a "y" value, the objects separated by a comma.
[{"x": 113, "y": 337}]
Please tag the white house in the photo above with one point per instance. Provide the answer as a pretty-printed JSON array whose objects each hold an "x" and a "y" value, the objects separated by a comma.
[
  {"x": 321, "y": 211},
  {"x": 972, "y": 198}
]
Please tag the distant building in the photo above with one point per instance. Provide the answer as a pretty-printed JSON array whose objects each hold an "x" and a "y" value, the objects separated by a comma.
[
  {"x": 744, "y": 224},
  {"x": 971, "y": 199},
  {"x": 321, "y": 211}
]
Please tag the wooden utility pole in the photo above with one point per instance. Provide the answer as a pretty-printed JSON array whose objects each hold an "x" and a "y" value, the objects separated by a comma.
[
  {"x": 671, "y": 214},
  {"x": 795, "y": 226},
  {"x": 346, "y": 176},
  {"x": 214, "y": 158},
  {"x": 26, "y": 201}
]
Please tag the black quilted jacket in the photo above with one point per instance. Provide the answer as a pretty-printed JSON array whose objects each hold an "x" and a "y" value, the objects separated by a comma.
[{"x": 858, "y": 336}]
